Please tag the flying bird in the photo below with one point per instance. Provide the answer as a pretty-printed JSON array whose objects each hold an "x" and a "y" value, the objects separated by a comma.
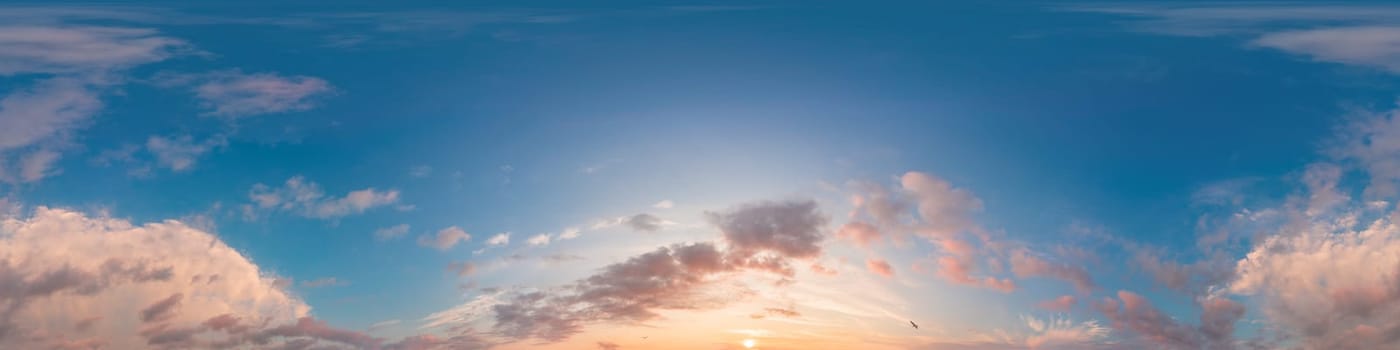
[
  {"x": 645, "y": 338},
  {"x": 916, "y": 325}
]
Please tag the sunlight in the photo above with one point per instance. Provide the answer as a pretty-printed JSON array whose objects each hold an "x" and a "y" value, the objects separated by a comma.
[{"x": 749, "y": 343}]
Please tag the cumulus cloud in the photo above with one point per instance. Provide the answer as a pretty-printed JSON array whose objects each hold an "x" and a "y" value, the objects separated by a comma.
[
  {"x": 538, "y": 240},
  {"x": 235, "y": 94},
  {"x": 70, "y": 278},
  {"x": 1332, "y": 282},
  {"x": 861, "y": 233},
  {"x": 640, "y": 222},
  {"x": 959, "y": 271},
  {"x": 791, "y": 229},
  {"x": 499, "y": 239},
  {"x": 933, "y": 209},
  {"x": 1370, "y": 142},
  {"x": 945, "y": 210},
  {"x": 445, "y": 239},
  {"x": 391, "y": 232},
  {"x": 161, "y": 310},
  {"x": 305, "y": 198},
  {"x": 665, "y": 204},
  {"x": 644, "y": 222},
  {"x": 569, "y": 233},
  {"x": 880, "y": 267},
  {"x": 669, "y": 278}
]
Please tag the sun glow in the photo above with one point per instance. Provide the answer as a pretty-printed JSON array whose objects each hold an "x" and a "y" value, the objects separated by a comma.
[{"x": 749, "y": 343}]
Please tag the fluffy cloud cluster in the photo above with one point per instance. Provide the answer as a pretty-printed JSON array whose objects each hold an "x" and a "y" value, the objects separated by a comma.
[
  {"x": 73, "y": 281},
  {"x": 1216, "y": 331},
  {"x": 930, "y": 208},
  {"x": 1334, "y": 282},
  {"x": 67, "y": 278},
  {"x": 306, "y": 198}
]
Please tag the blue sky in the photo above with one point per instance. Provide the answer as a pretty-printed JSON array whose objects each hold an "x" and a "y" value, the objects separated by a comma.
[{"x": 408, "y": 175}]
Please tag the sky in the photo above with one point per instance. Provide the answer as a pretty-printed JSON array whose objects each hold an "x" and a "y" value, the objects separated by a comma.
[{"x": 699, "y": 175}]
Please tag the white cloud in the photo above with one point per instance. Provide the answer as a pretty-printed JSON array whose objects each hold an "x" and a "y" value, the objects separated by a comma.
[
  {"x": 569, "y": 233},
  {"x": 306, "y": 198},
  {"x": 445, "y": 239},
  {"x": 391, "y": 232},
  {"x": 102, "y": 272},
  {"x": 665, "y": 204},
  {"x": 540, "y": 239},
  {"x": 420, "y": 171},
  {"x": 499, "y": 239}
]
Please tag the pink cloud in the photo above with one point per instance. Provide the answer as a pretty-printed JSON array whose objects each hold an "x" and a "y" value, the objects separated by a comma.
[
  {"x": 185, "y": 286},
  {"x": 861, "y": 233},
  {"x": 880, "y": 267},
  {"x": 445, "y": 239},
  {"x": 1134, "y": 313},
  {"x": 1024, "y": 264},
  {"x": 960, "y": 272},
  {"x": 1062, "y": 304}
]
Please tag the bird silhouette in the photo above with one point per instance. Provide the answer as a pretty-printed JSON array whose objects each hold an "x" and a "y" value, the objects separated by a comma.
[
  {"x": 916, "y": 325},
  {"x": 645, "y": 338}
]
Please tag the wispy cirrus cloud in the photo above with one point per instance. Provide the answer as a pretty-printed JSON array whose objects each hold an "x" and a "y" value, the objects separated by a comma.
[
  {"x": 78, "y": 64},
  {"x": 391, "y": 232},
  {"x": 1355, "y": 34},
  {"x": 235, "y": 94}
]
